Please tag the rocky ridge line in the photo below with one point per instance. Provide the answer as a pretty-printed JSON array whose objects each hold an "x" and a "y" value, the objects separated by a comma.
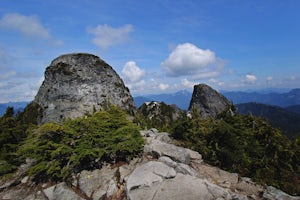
[{"x": 165, "y": 171}]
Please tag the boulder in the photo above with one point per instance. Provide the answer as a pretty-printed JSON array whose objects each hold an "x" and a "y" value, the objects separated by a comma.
[
  {"x": 164, "y": 137},
  {"x": 96, "y": 183},
  {"x": 158, "y": 148},
  {"x": 179, "y": 167},
  {"x": 168, "y": 161},
  {"x": 22, "y": 193},
  {"x": 180, "y": 187},
  {"x": 77, "y": 84},
  {"x": 61, "y": 191},
  {"x": 148, "y": 174},
  {"x": 246, "y": 187},
  {"x": 185, "y": 169},
  {"x": 272, "y": 193},
  {"x": 218, "y": 176}
]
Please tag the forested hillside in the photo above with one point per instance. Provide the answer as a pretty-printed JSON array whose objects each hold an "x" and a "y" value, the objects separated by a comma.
[
  {"x": 244, "y": 144},
  {"x": 288, "y": 122}
]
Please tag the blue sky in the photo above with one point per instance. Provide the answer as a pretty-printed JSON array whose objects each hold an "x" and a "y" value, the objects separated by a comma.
[{"x": 157, "y": 46}]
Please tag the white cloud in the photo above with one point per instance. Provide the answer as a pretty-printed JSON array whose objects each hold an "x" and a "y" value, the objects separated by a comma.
[
  {"x": 106, "y": 36},
  {"x": 250, "y": 79},
  {"x": 27, "y": 25},
  {"x": 269, "y": 78},
  {"x": 189, "y": 60},
  {"x": 132, "y": 73},
  {"x": 7, "y": 75},
  {"x": 19, "y": 89},
  {"x": 133, "y": 76},
  {"x": 163, "y": 86},
  {"x": 216, "y": 82},
  {"x": 137, "y": 86},
  {"x": 186, "y": 83}
]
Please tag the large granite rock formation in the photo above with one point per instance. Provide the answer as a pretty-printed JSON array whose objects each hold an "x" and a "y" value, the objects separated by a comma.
[
  {"x": 208, "y": 101},
  {"x": 78, "y": 84}
]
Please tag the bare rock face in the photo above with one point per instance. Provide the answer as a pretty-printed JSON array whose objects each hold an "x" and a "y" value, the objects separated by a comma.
[
  {"x": 208, "y": 101},
  {"x": 78, "y": 84}
]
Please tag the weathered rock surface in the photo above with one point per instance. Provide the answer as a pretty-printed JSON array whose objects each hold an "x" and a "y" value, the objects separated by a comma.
[
  {"x": 89, "y": 182},
  {"x": 157, "y": 175},
  {"x": 208, "y": 101},
  {"x": 61, "y": 191},
  {"x": 273, "y": 193},
  {"x": 148, "y": 174},
  {"x": 77, "y": 84},
  {"x": 158, "y": 148}
]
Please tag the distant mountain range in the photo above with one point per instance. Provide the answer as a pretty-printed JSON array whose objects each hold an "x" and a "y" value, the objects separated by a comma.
[
  {"x": 294, "y": 108},
  {"x": 281, "y": 109},
  {"x": 288, "y": 100},
  {"x": 280, "y": 99},
  {"x": 18, "y": 106},
  {"x": 288, "y": 122},
  {"x": 183, "y": 97}
]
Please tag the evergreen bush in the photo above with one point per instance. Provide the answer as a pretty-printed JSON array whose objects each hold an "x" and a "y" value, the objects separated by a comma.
[
  {"x": 244, "y": 144},
  {"x": 83, "y": 143}
]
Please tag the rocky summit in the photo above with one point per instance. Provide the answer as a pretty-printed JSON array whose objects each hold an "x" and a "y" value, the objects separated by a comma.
[
  {"x": 208, "y": 101},
  {"x": 77, "y": 84},
  {"x": 164, "y": 172}
]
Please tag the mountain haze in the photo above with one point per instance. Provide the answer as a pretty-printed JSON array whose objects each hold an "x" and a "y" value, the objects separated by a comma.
[
  {"x": 181, "y": 99},
  {"x": 294, "y": 108},
  {"x": 280, "y": 99},
  {"x": 288, "y": 122},
  {"x": 18, "y": 106}
]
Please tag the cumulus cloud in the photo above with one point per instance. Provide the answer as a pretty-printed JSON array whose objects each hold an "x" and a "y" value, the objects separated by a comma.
[
  {"x": 132, "y": 73},
  {"x": 250, "y": 79},
  {"x": 269, "y": 78},
  {"x": 27, "y": 25},
  {"x": 189, "y": 60},
  {"x": 106, "y": 36},
  {"x": 216, "y": 82},
  {"x": 19, "y": 89},
  {"x": 133, "y": 76},
  {"x": 186, "y": 83},
  {"x": 163, "y": 86}
]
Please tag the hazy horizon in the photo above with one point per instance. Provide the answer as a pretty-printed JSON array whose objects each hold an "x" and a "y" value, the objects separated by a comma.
[{"x": 155, "y": 46}]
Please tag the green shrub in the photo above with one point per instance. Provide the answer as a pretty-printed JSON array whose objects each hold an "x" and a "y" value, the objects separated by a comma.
[
  {"x": 244, "y": 144},
  {"x": 12, "y": 133},
  {"x": 82, "y": 143}
]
